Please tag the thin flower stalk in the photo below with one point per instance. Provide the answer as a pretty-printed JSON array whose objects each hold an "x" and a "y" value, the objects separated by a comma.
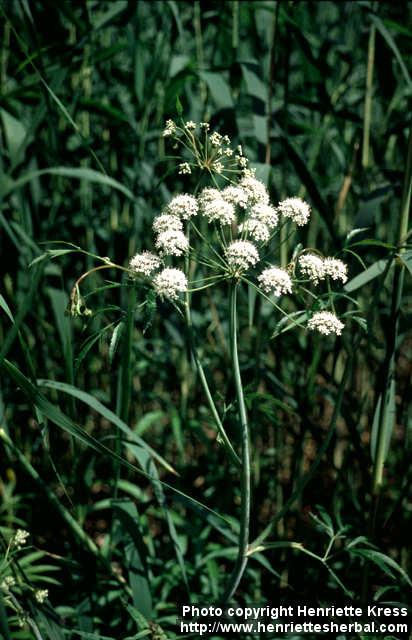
[{"x": 245, "y": 488}]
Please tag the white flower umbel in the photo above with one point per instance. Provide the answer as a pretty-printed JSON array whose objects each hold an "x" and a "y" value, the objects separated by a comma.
[
  {"x": 241, "y": 254},
  {"x": 215, "y": 139},
  {"x": 215, "y": 209},
  {"x": 236, "y": 196},
  {"x": 255, "y": 229},
  {"x": 169, "y": 129},
  {"x": 275, "y": 280},
  {"x": 184, "y": 168},
  {"x": 20, "y": 538},
  {"x": 169, "y": 283},
  {"x": 335, "y": 269},
  {"x": 41, "y": 595},
  {"x": 167, "y": 222},
  {"x": 256, "y": 190},
  {"x": 265, "y": 214},
  {"x": 296, "y": 209},
  {"x": 312, "y": 266},
  {"x": 326, "y": 323},
  {"x": 172, "y": 243},
  {"x": 207, "y": 195},
  {"x": 184, "y": 206},
  {"x": 144, "y": 263}
]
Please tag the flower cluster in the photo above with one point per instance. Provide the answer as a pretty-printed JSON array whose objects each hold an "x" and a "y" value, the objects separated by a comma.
[
  {"x": 276, "y": 281},
  {"x": 7, "y": 583},
  {"x": 205, "y": 151},
  {"x": 20, "y": 538},
  {"x": 326, "y": 323},
  {"x": 144, "y": 263},
  {"x": 316, "y": 268},
  {"x": 172, "y": 243},
  {"x": 295, "y": 209},
  {"x": 169, "y": 283},
  {"x": 241, "y": 254},
  {"x": 243, "y": 222},
  {"x": 215, "y": 208},
  {"x": 41, "y": 595}
]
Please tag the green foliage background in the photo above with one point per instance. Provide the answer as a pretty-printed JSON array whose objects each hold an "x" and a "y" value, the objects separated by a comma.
[{"x": 85, "y": 90}]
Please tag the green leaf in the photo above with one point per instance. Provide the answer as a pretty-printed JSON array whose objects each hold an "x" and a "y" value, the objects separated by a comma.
[
  {"x": 254, "y": 85},
  {"x": 376, "y": 269},
  {"x": 15, "y": 134},
  {"x": 57, "y": 417},
  {"x": 108, "y": 414},
  {"x": 115, "y": 8},
  {"x": 50, "y": 254},
  {"x": 150, "y": 418},
  {"x": 387, "y": 425},
  {"x": 59, "y": 300},
  {"x": 6, "y": 308},
  {"x": 219, "y": 89},
  {"x": 406, "y": 258},
  {"x": 136, "y": 553},
  {"x": 83, "y": 173},
  {"x": 392, "y": 45},
  {"x": 384, "y": 562},
  {"x": 179, "y": 107}
]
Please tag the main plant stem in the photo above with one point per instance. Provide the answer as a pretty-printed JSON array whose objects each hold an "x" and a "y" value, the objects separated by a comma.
[
  {"x": 242, "y": 557},
  {"x": 397, "y": 294}
]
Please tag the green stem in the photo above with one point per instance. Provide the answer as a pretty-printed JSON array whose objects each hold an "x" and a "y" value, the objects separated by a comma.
[
  {"x": 124, "y": 389},
  {"x": 220, "y": 428},
  {"x": 242, "y": 556},
  {"x": 368, "y": 97},
  {"x": 397, "y": 292}
]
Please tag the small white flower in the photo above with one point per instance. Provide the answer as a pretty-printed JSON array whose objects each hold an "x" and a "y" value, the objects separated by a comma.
[
  {"x": 183, "y": 205},
  {"x": 256, "y": 190},
  {"x": 41, "y": 595},
  {"x": 205, "y": 126},
  {"x": 167, "y": 222},
  {"x": 169, "y": 129},
  {"x": 275, "y": 280},
  {"x": 190, "y": 125},
  {"x": 248, "y": 173},
  {"x": 236, "y": 196},
  {"x": 296, "y": 209},
  {"x": 326, "y": 323},
  {"x": 335, "y": 269},
  {"x": 208, "y": 194},
  {"x": 20, "y": 538},
  {"x": 242, "y": 254},
  {"x": 172, "y": 243},
  {"x": 226, "y": 139},
  {"x": 144, "y": 263},
  {"x": 215, "y": 139},
  {"x": 256, "y": 230},
  {"x": 312, "y": 266},
  {"x": 228, "y": 152},
  {"x": 218, "y": 210},
  {"x": 242, "y": 161},
  {"x": 169, "y": 283},
  {"x": 184, "y": 168},
  {"x": 265, "y": 214},
  {"x": 217, "y": 166}
]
